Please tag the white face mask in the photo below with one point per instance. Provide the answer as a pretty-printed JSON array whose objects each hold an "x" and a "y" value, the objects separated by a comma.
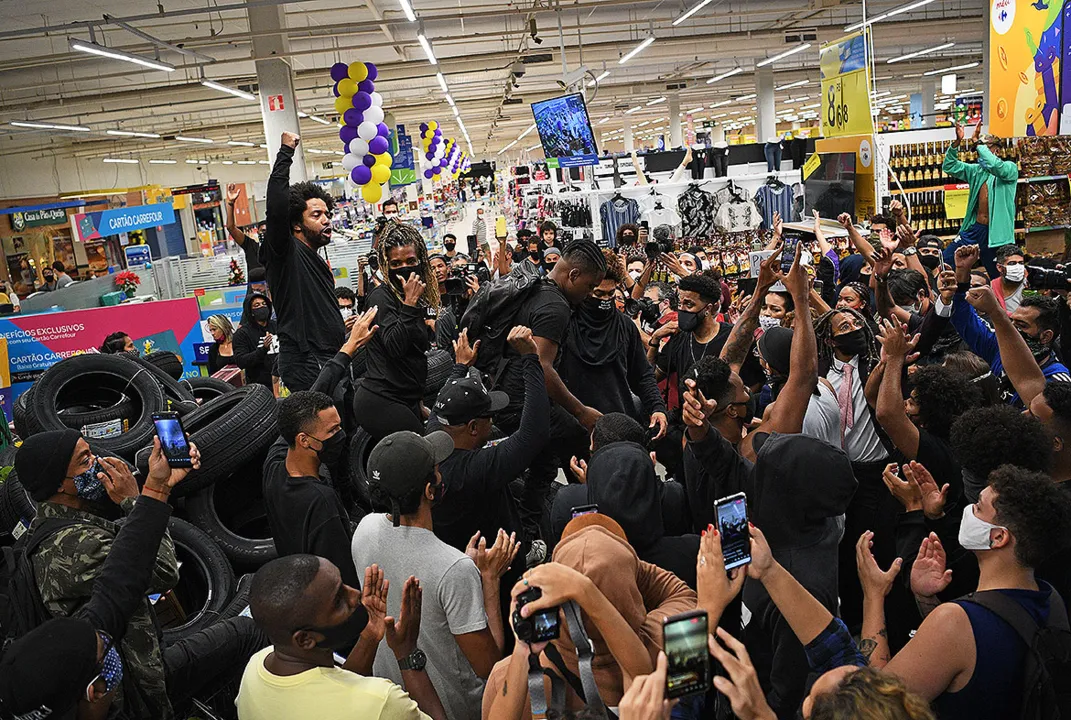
[
  {"x": 1015, "y": 273},
  {"x": 766, "y": 322},
  {"x": 346, "y": 312},
  {"x": 974, "y": 533},
  {"x": 635, "y": 274}
]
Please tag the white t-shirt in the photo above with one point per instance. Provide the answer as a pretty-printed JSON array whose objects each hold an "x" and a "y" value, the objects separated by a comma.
[{"x": 452, "y": 605}]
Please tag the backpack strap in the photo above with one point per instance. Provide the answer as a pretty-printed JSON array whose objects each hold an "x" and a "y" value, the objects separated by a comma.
[{"x": 1012, "y": 612}]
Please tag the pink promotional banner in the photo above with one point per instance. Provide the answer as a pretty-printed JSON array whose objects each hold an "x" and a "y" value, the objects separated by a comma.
[{"x": 37, "y": 342}]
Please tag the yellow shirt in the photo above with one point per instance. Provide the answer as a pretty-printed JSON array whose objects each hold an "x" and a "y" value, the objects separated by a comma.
[{"x": 320, "y": 694}]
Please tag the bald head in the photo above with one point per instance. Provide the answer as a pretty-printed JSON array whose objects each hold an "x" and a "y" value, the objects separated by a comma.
[{"x": 278, "y": 596}]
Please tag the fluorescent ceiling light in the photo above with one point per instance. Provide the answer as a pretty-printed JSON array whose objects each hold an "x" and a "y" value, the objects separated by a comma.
[
  {"x": 442, "y": 81},
  {"x": 163, "y": 162},
  {"x": 49, "y": 126},
  {"x": 534, "y": 147},
  {"x": 719, "y": 115},
  {"x": 94, "y": 49},
  {"x": 528, "y": 130},
  {"x": 693, "y": 111},
  {"x": 782, "y": 56},
  {"x": 247, "y": 162},
  {"x": 228, "y": 162},
  {"x": 636, "y": 50},
  {"x": 196, "y": 162},
  {"x": 656, "y": 101},
  {"x": 632, "y": 110},
  {"x": 507, "y": 147},
  {"x": 450, "y": 100},
  {"x": 809, "y": 107},
  {"x": 723, "y": 103},
  {"x": 259, "y": 162},
  {"x": 457, "y": 114},
  {"x": 125, "y": 161},
  {"x": 920, "y": 53},
  {"x": 240, "y": 143},
  {"x": 695, "y": 8},
  {"x": 742, "y": 98},
  {"x": 968, "y": 66},
  {"x": 599, "y": 78},
  {"x": 408, "y": 10},
  {"x": 876, "y": 95},
  {"x": 891, "y": 13},
  {"x": 131, "y": 133},
  {"x": 605, "y": 119},
  {"x": 183, "y": 138},
  {"x": 320, "y": 120},
  {"x": 263, "y": 146},
  {"x": 800, "y": 83},
  {"x": 427, "y": 48},
  {"x": 302, "y": 114},
  {"x": 645, "y": 123},
  {"x": 231, "y": 91}
]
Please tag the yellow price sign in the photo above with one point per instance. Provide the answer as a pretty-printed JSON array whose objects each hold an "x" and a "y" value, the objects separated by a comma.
[
  {"x": 956, "y": 197},
  {"x": 846, "y": 106},
  {"x": 811, "y": 165}
]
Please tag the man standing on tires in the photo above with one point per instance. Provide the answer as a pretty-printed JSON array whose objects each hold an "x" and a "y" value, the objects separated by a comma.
[
  {"x": 303, "y": 287},
  {"x": 60, "y": 471}
]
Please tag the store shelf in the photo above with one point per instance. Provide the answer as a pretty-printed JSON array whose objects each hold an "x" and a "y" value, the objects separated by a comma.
[
  {"x": 1042, "y": 228},
  {"x": 1022, "y": 181},
  {"x": 1044, "y": 178}
]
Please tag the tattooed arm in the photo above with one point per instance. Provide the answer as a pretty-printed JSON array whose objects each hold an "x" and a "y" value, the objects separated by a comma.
[{"x": 743, "y": 333}]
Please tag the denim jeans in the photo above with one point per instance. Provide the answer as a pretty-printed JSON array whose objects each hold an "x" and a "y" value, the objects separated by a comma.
[
  {"x": 976, "y": 234},
  {"x": 773, "y": 156}
]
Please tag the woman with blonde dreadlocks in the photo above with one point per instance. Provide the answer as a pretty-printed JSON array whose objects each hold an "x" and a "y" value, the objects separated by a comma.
[{"x": 388, "y": 399}]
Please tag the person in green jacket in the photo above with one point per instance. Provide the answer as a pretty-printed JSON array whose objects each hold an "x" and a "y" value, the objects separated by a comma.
[{"x": 990, "y": 218}]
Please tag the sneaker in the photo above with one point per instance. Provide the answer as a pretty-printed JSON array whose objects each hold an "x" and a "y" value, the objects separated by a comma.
[{"x": 537, "y": 554}]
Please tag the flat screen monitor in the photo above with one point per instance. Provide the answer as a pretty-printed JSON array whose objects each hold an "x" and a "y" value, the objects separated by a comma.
[
  {"x": 565, "y": 130},
  {"x": 830, "y": 189}
]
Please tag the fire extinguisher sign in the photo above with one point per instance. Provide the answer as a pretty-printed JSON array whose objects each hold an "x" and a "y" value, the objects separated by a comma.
[{"x": 275, "y": 103}]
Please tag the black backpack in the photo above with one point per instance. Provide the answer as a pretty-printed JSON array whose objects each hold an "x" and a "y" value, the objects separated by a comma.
[
  {"x": 1047, "y": 666},
  {"x": 490, "y": 316},
  {"x": 21, "y": 607}
]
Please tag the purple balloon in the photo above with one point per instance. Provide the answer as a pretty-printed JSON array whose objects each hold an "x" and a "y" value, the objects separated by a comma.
[
  {"x": 362, "y": 101},
  {"x": 340, "y": 71},
  {"x": 378, "y": 145},
  {"x": 335, "y": 90},
  {"x": 346, "y": 134},
  {"x": 436, "y": 170},
  {"x": 429, "y": 174},
  {"x": 423, "y": 127},
  {"x": 383, "y": 130},
  {"x": 353, "y": 117},
  {"x": 373, "y": 71},
  {"x": 367, "y": 86},
  {"x": 361, "y": 175},
  {"x": 429, "y": 156},
  {"x": 369, "y": 160}
]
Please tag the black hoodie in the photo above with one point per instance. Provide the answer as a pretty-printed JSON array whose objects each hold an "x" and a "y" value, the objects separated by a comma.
[
  {"x": 621, "y": 480},
  {"x": 248, "y": 343}
]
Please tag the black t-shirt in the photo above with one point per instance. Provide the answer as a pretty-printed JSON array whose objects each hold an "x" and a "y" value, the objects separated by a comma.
[
  {"x": 307, "y": 516},
  {"x": 937, "y": 457},
  {"x": 547, "y": 314},
  {"x": 254, "y": 267},
  {"x": 397, "y": 367},
  {"x": 683, "y": 351}
]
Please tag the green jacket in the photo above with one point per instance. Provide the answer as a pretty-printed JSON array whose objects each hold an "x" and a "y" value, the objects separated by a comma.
[
  {"x": 1001, "y": 177},
  {"x": 66, "y": 566}
]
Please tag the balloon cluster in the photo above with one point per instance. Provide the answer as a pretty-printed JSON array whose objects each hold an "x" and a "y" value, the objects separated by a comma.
[
  {"x": 364, "y": 135},
  {"x": 441, "y": 153}
]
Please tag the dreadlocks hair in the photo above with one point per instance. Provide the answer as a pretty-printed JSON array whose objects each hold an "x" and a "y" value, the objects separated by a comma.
[
  {"x": 823, "y": 333},
  {"x": 300, "y": 194},
  {"x": 396, "y": 235},
  {"x": 586, "y": 256}
]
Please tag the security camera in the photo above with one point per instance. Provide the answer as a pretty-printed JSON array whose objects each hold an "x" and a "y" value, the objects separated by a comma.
[
  {"x": 517, "y": 69},
  {"x": 572, "y": 78},
  {"x": 534, "y": 31}
]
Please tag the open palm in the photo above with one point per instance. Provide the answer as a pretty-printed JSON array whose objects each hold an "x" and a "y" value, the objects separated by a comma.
[{"x": 928, "y": 573}]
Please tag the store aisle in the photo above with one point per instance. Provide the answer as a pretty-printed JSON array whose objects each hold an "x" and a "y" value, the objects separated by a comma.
[{"x": 462, "y": 227}]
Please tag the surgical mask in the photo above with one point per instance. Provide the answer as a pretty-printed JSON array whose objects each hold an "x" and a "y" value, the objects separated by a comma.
[
  {"x": 111, "y": 671},
  {"x": 689, "y": 321},
  {"x": 974, "y": 533},
  {"x": 635, "y": 274},
  {"x": 345, "y": 312},
  {"x": 766, "y": 322},
  {"x": 398, "y": 276},
  {"x": 909, "y": 308},
  {"x": 930, "y": 262},
  {"x": 344, "y": 635},
  {"x": 852, "y": 343},
  {"x": 262, "y": 314},
  {"x": 390, "y": 216},
  {"x": 88, "y": 485},
  {"x": 1015, "y": 273},
  {"x": 331, "y": 449}
]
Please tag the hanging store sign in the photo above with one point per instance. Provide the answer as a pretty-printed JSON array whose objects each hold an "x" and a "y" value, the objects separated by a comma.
[
  {"x": 97, "y": 225},
  {"x": 37, "y": 218},
  {"x": 846, "y": 87}
]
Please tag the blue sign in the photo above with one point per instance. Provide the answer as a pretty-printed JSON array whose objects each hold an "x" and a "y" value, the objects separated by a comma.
[
  {"x": 578, "y": 161},
  {"x": 201, "y": 353},
  {"x": 137, "y": 255},
  {"x": 97, "y": 225}
]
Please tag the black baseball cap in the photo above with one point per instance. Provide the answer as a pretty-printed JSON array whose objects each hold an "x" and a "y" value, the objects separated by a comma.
[
  {"x": 465, "y": 399},
  {"x": 402, "y": 461},
  {"x": 928, "y": 241}
]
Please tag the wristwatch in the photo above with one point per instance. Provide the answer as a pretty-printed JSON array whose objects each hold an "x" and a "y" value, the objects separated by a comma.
[
  {"x": 909, "y": 251},
  {"x": 415, "y": 660}
]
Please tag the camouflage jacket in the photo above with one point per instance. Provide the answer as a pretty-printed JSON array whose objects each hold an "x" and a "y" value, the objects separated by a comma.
[{"x": 67, "y": 564}]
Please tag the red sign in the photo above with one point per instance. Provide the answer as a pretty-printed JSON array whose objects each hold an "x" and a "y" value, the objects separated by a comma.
[
  {"x": 275, "y": 103},
  {"x": 198, "y": 292}
]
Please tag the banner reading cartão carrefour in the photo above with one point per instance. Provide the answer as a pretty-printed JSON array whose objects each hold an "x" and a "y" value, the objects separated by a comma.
[{"x": 95, "y": 225}]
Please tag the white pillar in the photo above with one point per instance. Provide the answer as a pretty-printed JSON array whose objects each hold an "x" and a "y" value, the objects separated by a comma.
[
  {"x": 766, "y": 112},
  {"x": 278, "y": 106},
  {"x": 630, "y": 144},
  {"x": 717, "y": 133},
  {"x": 929, "y": 90},
  {"x": 676, "y": 138}
]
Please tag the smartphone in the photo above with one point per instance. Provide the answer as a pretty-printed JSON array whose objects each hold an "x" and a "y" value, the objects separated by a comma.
[
  {"x": 788, "y": 254},
  {"x": 172, "y": 439},
  {"x": 732, "y": 525},
  {"x": 585, "y": 509},
  {"x": 819, "y": 286},
  {"x": 684, "y": 638}
]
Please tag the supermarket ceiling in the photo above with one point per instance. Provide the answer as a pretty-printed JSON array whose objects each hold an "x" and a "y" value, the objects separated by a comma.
[{"x": 479, "y": 46}]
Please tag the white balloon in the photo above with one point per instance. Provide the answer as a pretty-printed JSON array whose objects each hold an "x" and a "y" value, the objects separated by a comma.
[
  {"x": 377, "y": 100},
  {"x": 367, "y": 130},
  {"x": 374, "y": 115},
  {"x": 350, "y": 161},
  {"x": 359, "y": 147}
]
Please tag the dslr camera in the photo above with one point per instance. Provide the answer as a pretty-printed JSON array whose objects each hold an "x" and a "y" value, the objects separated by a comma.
[
  {"x": 1043, "y": 278},
  {"x": 645, "y": 308},
  {"x": 540, "y": 626}
]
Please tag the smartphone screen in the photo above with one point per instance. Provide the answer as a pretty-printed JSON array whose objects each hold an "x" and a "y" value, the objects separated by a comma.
[
  {"x": 789, "y": 253},
  {"x": 685, "y": 640},
  {"x": 172, "y": 439},
  {"x": 732, "y": 525},
  {"x": 585, "y": 509}
]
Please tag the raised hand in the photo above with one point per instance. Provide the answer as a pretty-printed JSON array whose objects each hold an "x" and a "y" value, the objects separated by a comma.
[
  {"x": 768, "y": 269},
  {"x": 983, "y": 300},
  {"x": 875, "y": 582},
  {"x": 906, "y": 237},
  {"x": 695, "y": 408},
  {"x": 715, "y": 587},
  {"x": 402, "y": 633},
  {"x": 796, "y": 279},
  {"x": 363, "y": 329},
  {"x": 966, "y": 256},
  {"x": 162, "y": 477},
  {"x": 464, "y": 353},
  {"x": 520, "y": 339},
  {"x": 233, "y": 191},
  {"x": 645, "y": 697},
  {"x": 906, "y": 492},
  {"x": 947, "y": 286},
  {"x": 291, "y": 139},
  {"x": 374, "y": 599},
  {"x": 895, "y": 343},
  {"x": 742, "y": 686},
  {"x": 845, "y": 220},
  {"x": 933, "y": 498},
  {"x": 579, "y": 468},
  {"x": 413, "y": 288},
  {"x": 928, "y": 573},
  {"x": 494, "y": 561}
]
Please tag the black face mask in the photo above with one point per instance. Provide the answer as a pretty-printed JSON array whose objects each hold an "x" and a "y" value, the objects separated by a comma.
[
  {"x": 598, "y": 309},
  {"x": 518, "y": 255},
  {"x": 344, "y": 635},
  {"x": 689, "y": 321},
  {"x": 331, "y": 449},
  {"x": 852, "y": 343},
  {"x": 749, "y": 409},
  {"x": 930, "y": 262},
  {"x": 628, "y": 239},
  {"x": 550, "y": 265},
  {"x": 398, "y": 276},
  {"x": 1037, "y": 348},
  {"x": 449, "y": 246},
  {"x": 535, "y": 254},
  {"x": 262, "y": 314}
]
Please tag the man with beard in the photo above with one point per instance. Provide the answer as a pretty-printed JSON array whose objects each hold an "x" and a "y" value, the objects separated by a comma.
[
  {"x": 604, "y": 361},
  {"x": 303, "y": 287}
]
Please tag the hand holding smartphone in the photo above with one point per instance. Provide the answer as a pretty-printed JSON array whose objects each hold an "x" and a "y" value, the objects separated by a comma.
[
  {"x": 731, "y": 512},
  {"x": 684, "y": 638},
  {"x": 173, "y": 440}
]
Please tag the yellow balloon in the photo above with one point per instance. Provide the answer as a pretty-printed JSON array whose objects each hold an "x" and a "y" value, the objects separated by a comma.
[
  {"x": 433, "y": 126},
  {"x": 380, "y": 173},
  {"x": 372, "y": 192},
  {"x": 358, "y": 71},
  {"x": 384, "y": 159},
  {"x": 347, "y": 87},
  {"x": 343, "y": 103}
]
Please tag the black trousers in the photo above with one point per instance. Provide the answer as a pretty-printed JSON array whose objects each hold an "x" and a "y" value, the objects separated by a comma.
[
  {"x": 299, "y": 370},
  {"x": 203, "y": 663},
  {"x": 380, "y": 416}
]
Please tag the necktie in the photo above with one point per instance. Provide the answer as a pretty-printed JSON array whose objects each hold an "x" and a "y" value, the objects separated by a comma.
[{"x": 844, "y": 401}]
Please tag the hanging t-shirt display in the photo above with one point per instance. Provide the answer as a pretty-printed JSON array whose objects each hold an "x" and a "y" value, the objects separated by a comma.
[
  {"x": 737, "y": 215},
  {"x": 661, "y": 216},
  {"x": 695, "y": 208},
  {"x": 614, "y": 213},
  {"x": 775, "y": 197}
]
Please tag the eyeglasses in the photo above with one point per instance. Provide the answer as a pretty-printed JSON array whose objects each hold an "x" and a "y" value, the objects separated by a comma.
[{"x": 109, "y": 643}]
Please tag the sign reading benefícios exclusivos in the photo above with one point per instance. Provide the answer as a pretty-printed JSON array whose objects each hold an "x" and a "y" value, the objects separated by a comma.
[{"x": 96, "y": 225}]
